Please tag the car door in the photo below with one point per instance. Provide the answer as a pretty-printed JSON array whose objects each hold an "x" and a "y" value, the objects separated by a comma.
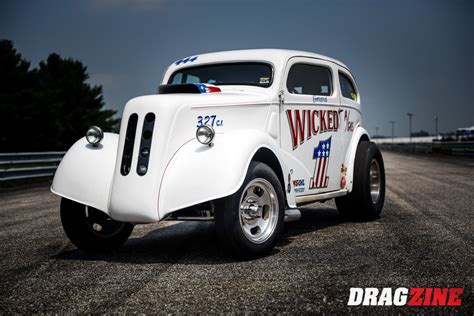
[{"x": 310, "y": 125}]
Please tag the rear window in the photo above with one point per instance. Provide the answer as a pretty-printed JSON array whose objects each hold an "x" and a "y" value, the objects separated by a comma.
[
  {"x": 252, "y": 74},
  {"x": 347, "y": 87},
  {"x": 309, "y": 79}
]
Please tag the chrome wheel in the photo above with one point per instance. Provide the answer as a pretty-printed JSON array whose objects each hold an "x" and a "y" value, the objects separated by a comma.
[
  {"x": 375, "y": 181},
  {"x": 259, "y": 210}
]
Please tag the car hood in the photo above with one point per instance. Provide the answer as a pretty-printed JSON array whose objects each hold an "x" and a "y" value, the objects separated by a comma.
[{"x": 177, "y": 117}]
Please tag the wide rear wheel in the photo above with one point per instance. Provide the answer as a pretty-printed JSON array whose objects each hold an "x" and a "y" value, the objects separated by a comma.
[{"x": 366, "y": 200}]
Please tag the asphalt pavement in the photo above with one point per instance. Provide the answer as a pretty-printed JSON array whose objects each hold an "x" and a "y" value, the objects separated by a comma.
[{"x": 423, "y": 239}]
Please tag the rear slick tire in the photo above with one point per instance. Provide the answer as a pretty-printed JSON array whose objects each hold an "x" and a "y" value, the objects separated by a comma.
[{"x": 366, "y": 200}]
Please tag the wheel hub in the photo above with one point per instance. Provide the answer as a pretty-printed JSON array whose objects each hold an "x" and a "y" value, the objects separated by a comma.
[
  {"x": 258, "y": 210},
  {"x": 250, "y": 210},
  {"x": 375, "y": 181}
]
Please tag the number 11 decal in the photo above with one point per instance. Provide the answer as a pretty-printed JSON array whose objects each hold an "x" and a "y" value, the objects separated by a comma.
[{"x": 321, "y": 155}]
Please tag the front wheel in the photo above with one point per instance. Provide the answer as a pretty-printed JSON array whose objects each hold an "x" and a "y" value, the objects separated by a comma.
[
  {"x": 250, "y": 220},
  {"x": 90, "y": 229},
  {"x": 366, "y": 200}
]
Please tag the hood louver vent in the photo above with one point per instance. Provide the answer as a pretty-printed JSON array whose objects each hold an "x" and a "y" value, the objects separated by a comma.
[{"x": 128, "y": 145}]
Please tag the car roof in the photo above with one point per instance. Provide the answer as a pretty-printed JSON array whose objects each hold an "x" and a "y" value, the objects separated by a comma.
[{"x": 276, "y": 56}]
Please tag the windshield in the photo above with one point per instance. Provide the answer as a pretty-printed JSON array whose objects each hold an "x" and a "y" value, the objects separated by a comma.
[{"x": 253, "y": 74}]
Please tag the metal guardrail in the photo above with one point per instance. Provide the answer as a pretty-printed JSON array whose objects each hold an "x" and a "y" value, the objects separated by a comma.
[
  {"x": 454, "y": 148},
  {"x": 44, "y": 165},
  {"x": 406, "y": 140}
]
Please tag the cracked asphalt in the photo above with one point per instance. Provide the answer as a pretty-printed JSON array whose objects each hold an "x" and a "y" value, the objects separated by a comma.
[{"x": 423, "y": 239}]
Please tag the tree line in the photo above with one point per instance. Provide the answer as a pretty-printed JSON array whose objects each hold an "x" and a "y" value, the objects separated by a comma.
[{"x": 48, "y": 107}]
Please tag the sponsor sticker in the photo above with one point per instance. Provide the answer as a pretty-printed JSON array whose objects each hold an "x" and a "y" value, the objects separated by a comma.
[
  {"x": 354, "y": 96},
  {"x": 343, "y": 169},
  {"x": 186, "y": 60},
  {"x": 264, "y": 80},
  {"x": 318, "y": 99},
  {"x": 348, "y": 124},
  {"x": 298, "y": 185},
  {"x": 343, "y": 182}
]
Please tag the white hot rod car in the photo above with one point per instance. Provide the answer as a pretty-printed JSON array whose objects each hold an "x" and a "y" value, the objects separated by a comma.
[{"x": 240, "y": 137}]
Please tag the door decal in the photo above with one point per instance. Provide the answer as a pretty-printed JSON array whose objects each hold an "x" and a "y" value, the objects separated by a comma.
[
  {"x": 321, "y": 155},
  {"x": 310, "y": 123}
]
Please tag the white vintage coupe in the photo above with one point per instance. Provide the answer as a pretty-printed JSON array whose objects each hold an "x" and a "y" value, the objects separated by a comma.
[{"x": 240, "y": 137}]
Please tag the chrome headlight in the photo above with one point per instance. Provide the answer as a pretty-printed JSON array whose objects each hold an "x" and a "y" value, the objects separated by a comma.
[
  {"x": 205, "y": 134},
  {"x": 94, "y": 135}
]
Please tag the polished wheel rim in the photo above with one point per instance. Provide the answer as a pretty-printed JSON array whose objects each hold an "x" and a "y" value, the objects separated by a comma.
[
  {"x": 258, "y": 210},
  {"x": 100, "y": 224},
  {"x": 374, "y": 181}
]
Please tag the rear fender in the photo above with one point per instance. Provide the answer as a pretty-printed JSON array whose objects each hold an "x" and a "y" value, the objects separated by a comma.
[
  {"x": 359, "y": 134},
  {"x": 197, "y": 173},
  {"x": 85, "y": 173}
]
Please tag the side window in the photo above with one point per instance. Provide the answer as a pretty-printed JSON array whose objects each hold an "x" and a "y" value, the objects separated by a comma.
[
  {"x": 177, "y": 79},
  {"x": 309, "y": 79},
  {"x": 347, "y": 87},
  {"x": 180, "y": 78}
]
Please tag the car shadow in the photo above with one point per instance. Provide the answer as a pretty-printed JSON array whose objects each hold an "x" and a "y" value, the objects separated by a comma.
[
  {"x": 197, "y": 242},
  {"x": 312, "y": 219}
]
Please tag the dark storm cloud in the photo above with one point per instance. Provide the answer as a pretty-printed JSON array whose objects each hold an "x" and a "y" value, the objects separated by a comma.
[{"x": 406, "y": 55}]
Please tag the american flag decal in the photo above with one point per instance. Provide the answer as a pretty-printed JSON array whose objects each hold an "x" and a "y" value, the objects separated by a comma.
[
  {"x": 207, "y": 88},
  {"x": 321, "y": 155}
]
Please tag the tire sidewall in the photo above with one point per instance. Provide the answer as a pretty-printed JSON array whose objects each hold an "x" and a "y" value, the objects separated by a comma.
[
  {"x": 239, "y": 242},
  {"x": 79, "y": 233},
  {"x": 365, "y": 153}
]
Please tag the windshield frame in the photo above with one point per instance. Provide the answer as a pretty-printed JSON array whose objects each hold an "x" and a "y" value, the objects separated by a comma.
[{"x": 265, "y": 63}]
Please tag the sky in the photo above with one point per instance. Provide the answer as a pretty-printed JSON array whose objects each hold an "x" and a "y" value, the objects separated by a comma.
[{"x": 406, "y": 55}]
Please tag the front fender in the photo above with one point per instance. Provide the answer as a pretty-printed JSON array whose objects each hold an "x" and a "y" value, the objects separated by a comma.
[
  {"x": 197, "y": 173},
  {"x": 358, "y": 134},
  {"x": 85, "y": 173}
]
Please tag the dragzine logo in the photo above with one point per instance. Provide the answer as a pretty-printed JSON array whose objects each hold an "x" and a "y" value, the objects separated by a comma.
[{"x": 428, "y": 296}]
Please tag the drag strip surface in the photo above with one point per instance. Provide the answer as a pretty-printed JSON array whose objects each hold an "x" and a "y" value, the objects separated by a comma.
[{"x": 423, "y": 239}]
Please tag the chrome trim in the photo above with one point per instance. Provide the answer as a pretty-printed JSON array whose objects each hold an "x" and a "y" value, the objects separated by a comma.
[
  {"x": 210, "y": 130},
  {"x": 318, "y": 197},
  {"x": 190, "y": 218},
  {"x": 99, "y": 135},
  {"x": 292, "y": 215}
]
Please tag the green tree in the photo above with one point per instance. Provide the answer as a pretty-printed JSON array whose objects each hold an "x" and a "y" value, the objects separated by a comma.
[
  {"x": 17, "y": 84},
  {"x": 47, "y": 108}
]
